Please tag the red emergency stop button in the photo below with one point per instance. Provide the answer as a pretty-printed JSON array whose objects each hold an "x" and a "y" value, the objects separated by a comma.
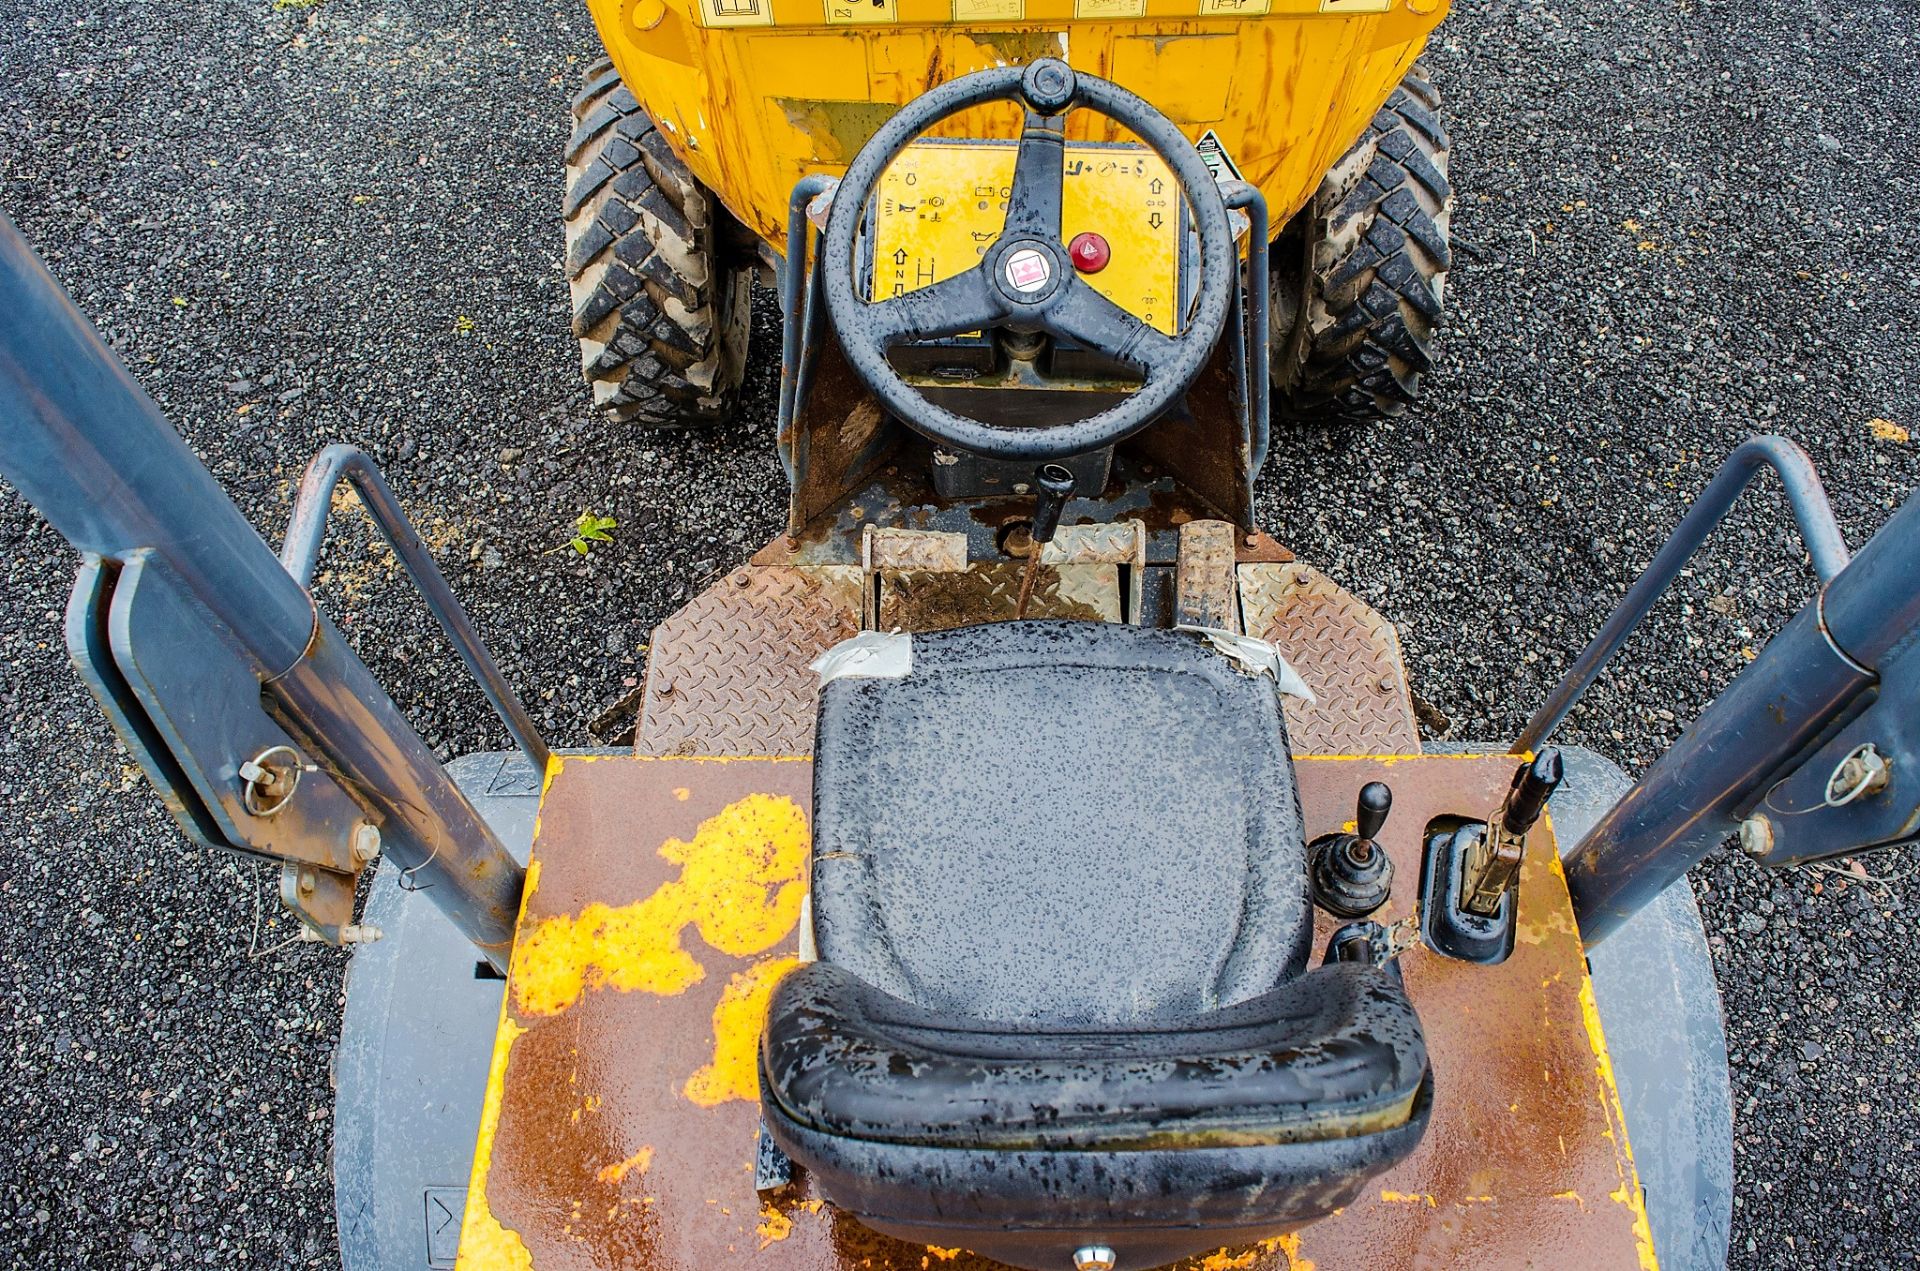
[{"x": 1090, "y": 252}]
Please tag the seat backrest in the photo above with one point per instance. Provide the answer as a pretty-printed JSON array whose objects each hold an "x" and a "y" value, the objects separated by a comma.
[{"x": 1063, "y": 824}]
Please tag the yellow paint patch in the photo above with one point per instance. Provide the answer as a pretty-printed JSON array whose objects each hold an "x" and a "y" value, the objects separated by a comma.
[
  {"x": 774, "y": 1226},
  {"x": 485, "y": 1245},
  {"x": 1410, "y": 1198},
  {"x": 620, "y": 1169},
  {"x": 943, "y": 1255},
  {"x": 1289, "y": 1245},
  {"x": 741, "y": 885},
  {"x": 1628, "y": 1193},
  {"x": 736, "y": 1036},
  {"x": 1887, "y": 430}
]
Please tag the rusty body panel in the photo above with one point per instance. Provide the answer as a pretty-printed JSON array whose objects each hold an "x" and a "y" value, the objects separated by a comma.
[{"x": 664, "y": 901}]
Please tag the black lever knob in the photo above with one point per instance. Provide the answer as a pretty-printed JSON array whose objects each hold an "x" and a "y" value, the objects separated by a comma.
[
  {"x": 1350, "y": 874},
  {"x": 1376, "y": 800},
  {"x": 1053, "y": 486},
  {"x": 1533, "y": 785}
]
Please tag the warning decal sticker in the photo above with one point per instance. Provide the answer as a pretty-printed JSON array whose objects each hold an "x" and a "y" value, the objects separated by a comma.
[{"x": 1215, "y": 156}]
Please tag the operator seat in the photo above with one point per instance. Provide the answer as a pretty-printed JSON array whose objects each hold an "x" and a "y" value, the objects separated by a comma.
[{"x": 1061, "y": 997}]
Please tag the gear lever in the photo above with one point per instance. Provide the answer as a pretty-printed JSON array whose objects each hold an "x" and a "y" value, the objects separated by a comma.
[{"x": 1052, "y": 487}]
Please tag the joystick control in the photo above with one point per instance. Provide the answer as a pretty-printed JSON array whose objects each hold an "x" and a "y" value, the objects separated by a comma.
[{"x": 1350, "y": 873}]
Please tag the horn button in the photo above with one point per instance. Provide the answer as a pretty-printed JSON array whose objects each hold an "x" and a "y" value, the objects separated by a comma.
[{"x": 1028, "y": 271}]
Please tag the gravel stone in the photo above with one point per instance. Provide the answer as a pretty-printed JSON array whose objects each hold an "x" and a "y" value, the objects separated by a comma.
[{"x": 1660, "y": 253}]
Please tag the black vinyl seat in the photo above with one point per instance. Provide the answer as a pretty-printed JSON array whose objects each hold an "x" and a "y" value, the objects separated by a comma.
[{"x": 1060, "y": 904}]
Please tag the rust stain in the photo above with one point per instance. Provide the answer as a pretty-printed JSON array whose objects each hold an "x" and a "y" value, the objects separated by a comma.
[
  {"x": 932, "y": 600},
  {"x": 1258, "y": 1257}
]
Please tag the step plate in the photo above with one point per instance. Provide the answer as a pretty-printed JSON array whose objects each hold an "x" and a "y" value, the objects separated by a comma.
[
  {"x": 728, "y": 673},
  {"x": 664, "y": 901},
  {"x": 1348, "y": 654},
  {"x": 937, "y": 600}
]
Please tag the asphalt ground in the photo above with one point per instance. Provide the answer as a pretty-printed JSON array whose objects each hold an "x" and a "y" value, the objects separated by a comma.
[{"x": 1679, "y": 223}]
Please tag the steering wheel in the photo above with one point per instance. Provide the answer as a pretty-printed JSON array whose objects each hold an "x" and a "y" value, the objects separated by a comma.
[{"x": 1026, "y": 281}]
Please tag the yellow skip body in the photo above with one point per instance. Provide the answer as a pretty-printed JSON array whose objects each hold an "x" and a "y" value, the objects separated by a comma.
[{"x": 755, "y": 94}]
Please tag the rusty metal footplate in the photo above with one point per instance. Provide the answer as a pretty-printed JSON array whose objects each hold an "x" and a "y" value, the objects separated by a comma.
[
  {"x": 728, "y": 673},
  {"x": 664, "y": 901},
  {"x": 935, "y": 600},
  {"x": 1348, "y": 654}
]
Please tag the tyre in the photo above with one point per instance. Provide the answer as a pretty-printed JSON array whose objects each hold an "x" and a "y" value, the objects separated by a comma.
[
  {"x": 661, "y": 317},
  {"x": 1359, "y": 277}
]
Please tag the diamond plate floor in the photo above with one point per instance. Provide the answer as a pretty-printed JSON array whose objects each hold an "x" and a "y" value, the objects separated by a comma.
[
  {"x": 933, "y": 600},
  {"x": 728, "y": 674},
  {"x": 1348, "y": 654}
]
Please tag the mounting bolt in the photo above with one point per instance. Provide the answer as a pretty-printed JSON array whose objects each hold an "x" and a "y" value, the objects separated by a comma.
[
  {"x": 366, "y": 843},
  {"x": 1756, "y": 836},
  {"x": 1094, "y": 1258},
  {"x": 307, "y": 882}
]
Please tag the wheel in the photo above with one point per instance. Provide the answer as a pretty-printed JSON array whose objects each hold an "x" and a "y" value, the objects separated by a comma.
[
  {"x": 1360, "y": 276},
  {"x": 660, "y": 316}
]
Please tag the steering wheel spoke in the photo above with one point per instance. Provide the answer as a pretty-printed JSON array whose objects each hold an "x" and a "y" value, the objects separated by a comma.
[
  {"x": 967, "y": 301},
  {"x": 1084, "y": 315},
  {"x": 1039, "y": 173}
]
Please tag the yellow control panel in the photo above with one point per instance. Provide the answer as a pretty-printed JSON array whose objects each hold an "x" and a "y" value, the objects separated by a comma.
[{"x": 940, "y": 205}]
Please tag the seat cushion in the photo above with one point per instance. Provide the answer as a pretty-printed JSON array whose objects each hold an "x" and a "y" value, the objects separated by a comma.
[
  {"x": 1064, "y": 823},
  {"x": 1336, "y": 1053}
]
